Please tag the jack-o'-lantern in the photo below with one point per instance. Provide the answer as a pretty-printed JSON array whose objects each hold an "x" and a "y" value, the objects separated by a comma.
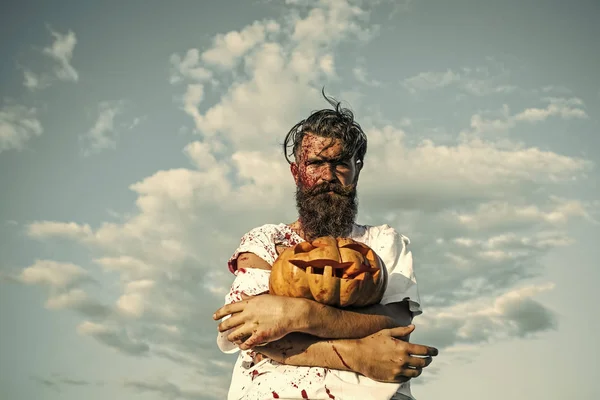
[{"x": 338, "y": 272}]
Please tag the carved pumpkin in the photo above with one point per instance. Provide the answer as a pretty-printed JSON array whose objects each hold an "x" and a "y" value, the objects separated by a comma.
[{"x": 338, "y": 272}]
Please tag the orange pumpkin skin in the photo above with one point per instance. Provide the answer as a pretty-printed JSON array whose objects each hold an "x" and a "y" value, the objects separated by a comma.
[{"x": 338, "y": 272}]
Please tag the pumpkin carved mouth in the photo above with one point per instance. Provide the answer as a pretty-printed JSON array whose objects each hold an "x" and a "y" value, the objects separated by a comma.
[{"x": 331, "y": 268}]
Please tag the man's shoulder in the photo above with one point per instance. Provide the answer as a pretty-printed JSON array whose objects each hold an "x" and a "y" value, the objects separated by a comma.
[
  {"x": 267, "y": 230},
  {"x": 379, "y": 232}
]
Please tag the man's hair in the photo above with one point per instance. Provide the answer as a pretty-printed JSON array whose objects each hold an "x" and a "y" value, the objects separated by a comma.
[{"x": 337, "y": 123}]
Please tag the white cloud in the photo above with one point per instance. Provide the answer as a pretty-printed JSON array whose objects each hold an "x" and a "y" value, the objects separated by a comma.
[
  {"x": 61, "y": 51},
  {"x": 227, "y": 49},
  {"x": 53, "y": 274},
  {"x": 132, "y": 302},
  {"x": 557, "y": 107},
  {"x": 192, "y": 99},
  {"x": 432, "y": 175},
  {"x": 113, "y": 337},
  {"x": 32, "y": 81},
  {"x": 431, "y": 80},
  {"x": 360, "y": 74},
  {"x": 494, "y": 214},
  {"x": 492, "y": 78},
  {"x": 105, "y": 131},
  {"x": 70, "y": 230},
  {"x": 513, "y": 314},
  {"x": 77, "y": 300},
  {"x": 18, "y": 124},
  {"x": 188, "y": 67},
  {"x": 327, "y": 65},
  {"x": 332, "y": 22},
  {"x": 129, "y": 267}
]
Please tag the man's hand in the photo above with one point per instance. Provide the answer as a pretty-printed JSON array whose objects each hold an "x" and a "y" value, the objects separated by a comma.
[
  {"x": 261, "y": 319},
  {"x": 386, "y": 357}
]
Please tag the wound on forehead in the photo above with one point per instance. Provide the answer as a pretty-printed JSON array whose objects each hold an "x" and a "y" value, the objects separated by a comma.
[{"x": 337, "y": 123}]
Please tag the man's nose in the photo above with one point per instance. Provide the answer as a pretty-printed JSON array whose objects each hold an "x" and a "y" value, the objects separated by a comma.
[{"x": 328, "y": 173}]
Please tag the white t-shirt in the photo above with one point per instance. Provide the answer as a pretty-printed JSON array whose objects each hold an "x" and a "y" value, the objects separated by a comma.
[{"x": 269, "y": 379}]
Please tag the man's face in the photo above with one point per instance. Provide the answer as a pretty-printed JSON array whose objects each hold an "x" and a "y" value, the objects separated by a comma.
[{"x": 325, "y": 187}]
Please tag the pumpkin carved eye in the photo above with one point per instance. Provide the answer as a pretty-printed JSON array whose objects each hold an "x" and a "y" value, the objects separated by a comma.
[{"x": 334, "y": 271}]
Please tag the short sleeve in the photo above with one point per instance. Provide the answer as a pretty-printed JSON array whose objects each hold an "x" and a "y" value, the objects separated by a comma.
[
  {"x": 250, "y": 282},
  {"x": 392, "y": 247},
  {"x": 258, "y": 241}
]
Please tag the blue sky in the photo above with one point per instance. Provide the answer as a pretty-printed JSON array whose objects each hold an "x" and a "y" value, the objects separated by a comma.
[{"x": 140, "y": 140}]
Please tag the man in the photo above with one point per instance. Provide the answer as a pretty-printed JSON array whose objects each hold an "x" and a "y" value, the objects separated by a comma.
[{"x": 299, "y": 349}]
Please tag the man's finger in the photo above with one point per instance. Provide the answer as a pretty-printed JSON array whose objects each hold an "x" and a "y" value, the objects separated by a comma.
[
  {"x": 402, "y": 331},
  {"x": 241, "y": 333},
  {"x": 251, "y": 342},
  {"x": 411, "y": 372},
  {"x": 231, "y": 322},
  {"x": 418, "y": 362},
  {"x": 229, "y": 309},
  {"x": 420, "y": 350}
]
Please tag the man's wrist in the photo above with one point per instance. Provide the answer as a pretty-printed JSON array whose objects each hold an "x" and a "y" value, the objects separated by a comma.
[
  {"x": 300, "y": 315},
  {"x": 312, "y": 317},
  {"x": 348, "y": 351}
]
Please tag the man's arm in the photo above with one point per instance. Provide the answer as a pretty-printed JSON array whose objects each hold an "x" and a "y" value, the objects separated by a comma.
[
  {"x": 383, "y": 356},
  {"x": 353, "y": 323}
]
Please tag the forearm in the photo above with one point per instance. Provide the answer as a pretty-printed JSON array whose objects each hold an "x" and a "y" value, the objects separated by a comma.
[
  {"x": 303, "y": 350},
  {"x": 334, "y": 323}
]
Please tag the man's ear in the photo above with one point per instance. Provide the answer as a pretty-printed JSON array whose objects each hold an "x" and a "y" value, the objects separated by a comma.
[
  {"x": 294, "y": 171},
  {"x": 359, "y": 165}
]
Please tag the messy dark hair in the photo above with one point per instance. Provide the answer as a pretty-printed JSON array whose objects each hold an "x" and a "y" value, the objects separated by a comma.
[{"x": 337, "y": 123}]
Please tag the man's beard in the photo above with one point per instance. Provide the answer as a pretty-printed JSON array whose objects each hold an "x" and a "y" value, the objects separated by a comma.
[{"x": 326, "y": 214}]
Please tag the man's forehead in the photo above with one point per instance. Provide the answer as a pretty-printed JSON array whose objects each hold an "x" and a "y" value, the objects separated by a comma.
[{"x": 313, "y": 145}]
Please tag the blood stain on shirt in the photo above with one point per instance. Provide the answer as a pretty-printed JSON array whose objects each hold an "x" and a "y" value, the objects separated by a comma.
[
  {"x": 275, "y": 395},
  {"x": 329, "y": 393},
  {"x": 304, "y": 395},
  {"x": 256, "y": 374}
]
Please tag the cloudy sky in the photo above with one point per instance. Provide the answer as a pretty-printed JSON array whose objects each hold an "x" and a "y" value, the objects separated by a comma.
[{"x": 139, "y": 140}]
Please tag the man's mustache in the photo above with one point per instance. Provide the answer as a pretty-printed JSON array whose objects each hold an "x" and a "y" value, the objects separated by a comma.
[{"x": 343, "y": 190}]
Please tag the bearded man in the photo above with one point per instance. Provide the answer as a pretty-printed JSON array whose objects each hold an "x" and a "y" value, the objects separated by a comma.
[{"x": 292, "y": 348}]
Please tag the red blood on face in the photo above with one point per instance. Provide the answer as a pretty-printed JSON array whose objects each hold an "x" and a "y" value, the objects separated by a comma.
[{"x": 314, "y": 147}]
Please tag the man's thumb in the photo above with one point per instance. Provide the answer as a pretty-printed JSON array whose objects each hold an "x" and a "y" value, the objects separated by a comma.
[{"x": 402, "y": 331}]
